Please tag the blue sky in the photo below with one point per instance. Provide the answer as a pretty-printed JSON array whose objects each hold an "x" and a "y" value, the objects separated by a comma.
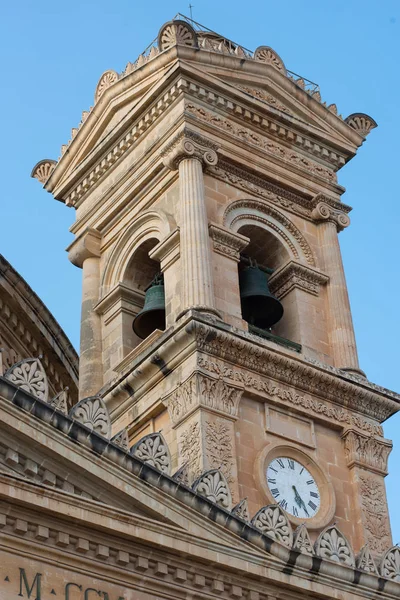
[{"x": 52, "y": 57}]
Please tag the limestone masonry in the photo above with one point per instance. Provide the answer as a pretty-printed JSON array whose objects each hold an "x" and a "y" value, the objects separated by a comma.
[{"x": 202, "y": 452}]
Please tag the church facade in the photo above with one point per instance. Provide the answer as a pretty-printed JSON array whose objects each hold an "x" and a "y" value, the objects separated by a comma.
[{"x": 221, "y": 439}]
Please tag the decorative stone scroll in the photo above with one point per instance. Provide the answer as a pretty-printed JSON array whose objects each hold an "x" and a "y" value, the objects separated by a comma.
[
  {"x": 324, "y": 212},
  {"x": 302, "y": 541},
  {"x": 106, "y": 80},
  {"x": 227, "y": 242},
  {"x": 43, "y": 169},
  {"x": 189, "y": 145},
  {"x": 266, "y": 55},
  {"x": 272, "y": 521},
  {"x": 29, "y": 375},
  {"x": 153, "y": 450},
  {"x": 296, "y": 275},
  {"x": 390, "y": 564},
  {"x": 60, "y": 401},
  {"x": 93, "y": 414},
  {"x": 241, "y": 510},
  {"x": 213, "y": 486},
  {"x": 177, "y": 33},
  {"x": 332, "y": 545},
  {"x": 365, "y": 561},
  {"x": 366, "y": 451},
  {"x": 362, "y": 123},
  {"x": 121, "y": 439}
]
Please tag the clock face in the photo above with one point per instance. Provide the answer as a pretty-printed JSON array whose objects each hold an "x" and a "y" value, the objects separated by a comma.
[{"x": 293, "y": 487}]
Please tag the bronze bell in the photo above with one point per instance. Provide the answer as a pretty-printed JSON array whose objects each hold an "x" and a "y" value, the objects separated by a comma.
[
  {"x": 152, "y": 315},
  {"x": 259, "y": 307}
]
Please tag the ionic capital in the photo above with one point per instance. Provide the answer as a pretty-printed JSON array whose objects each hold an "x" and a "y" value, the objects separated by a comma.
[
  {"x": 87, "y": 245},
  {"x": 189, "y": 145},
  {"x": 324, "y": 212},
  {"x": 366, "y": 451}
]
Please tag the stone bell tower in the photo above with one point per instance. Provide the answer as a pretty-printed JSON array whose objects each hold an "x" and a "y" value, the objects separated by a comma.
[{"x": 198, "y": 158}]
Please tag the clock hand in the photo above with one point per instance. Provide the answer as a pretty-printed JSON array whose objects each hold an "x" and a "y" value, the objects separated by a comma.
[{"x": 299, "y": 500}]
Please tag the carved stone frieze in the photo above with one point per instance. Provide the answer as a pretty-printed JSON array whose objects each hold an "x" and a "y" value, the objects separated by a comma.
[
  {"x": 243, "y": 350},
  {"x": 296, "y": 275},
  {"x": 203, "y": 391},
  {"x": 366, "y": 451},
  {"x": 29, "y": 375},
  {"x": 213, "y": 486},
  {"x": 153, "y": 450},
  {"x": 190, "y": 449},
  {"x": 272, "y": 521},
  {"x": 302, "y": 541},
  {"x": 390, "y": 565},
  {"x": 241, "y": 510},
  {"x": 289, "y": 396},
  {"x": 254, "y": 139},
  {"x": 374, "y": 512},
  {"x": 190, "y": 145},
  {"x": 226, "y": 242},
  {"x": 262, "y": 95},
  {"x": 332, "y": 545},
  {"x": 219, "y": 447},
  {"x": 323, "y": 212},
  {"x": 93, "y": 414},
  {"x": 365, "y": 561}
]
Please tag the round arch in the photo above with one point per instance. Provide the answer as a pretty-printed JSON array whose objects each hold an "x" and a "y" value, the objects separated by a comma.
[
  {"x": 241, "y": 213},
  {"x": 149, "y": 225}
]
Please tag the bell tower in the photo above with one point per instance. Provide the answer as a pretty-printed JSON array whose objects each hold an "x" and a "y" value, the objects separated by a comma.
[{"x": 214, "y": 302}]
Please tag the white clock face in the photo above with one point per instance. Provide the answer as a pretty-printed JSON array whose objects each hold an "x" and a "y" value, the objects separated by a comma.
[{"x": 293, "y": 487}]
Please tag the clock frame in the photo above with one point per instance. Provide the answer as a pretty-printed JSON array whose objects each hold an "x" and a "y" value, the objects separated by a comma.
[{"x": 327, "y": 496}]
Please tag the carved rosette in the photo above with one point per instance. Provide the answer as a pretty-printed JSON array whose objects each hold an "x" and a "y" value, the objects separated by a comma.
[
  {"x": 332, "y": 545},
  {"x": 296, "y": 275},
  {"x": 362, "y": 123},
  {"x": 390, "y": 564},
  {"x": 106, "y": 80},
  {"x": 177, "y": 33},
  {"x": 93, "y": 414},
  {"x": 213, "y": 486},
  {"x": 266, "y": 55},
  {"x": 153, "y": 450},
  {"x": 272, "y": 521},
  {"x": 366, "y": 451},
  {"x": 323, "y": 212},
  {"x": 302, "y": 542},
  {"x": 365, "y": 561},
  {"x": 29, "y": 375},
  {"x": 43, "y": 169},
  {"x": 227, "y": 242},
  {"x": 241, "y": 510},
  {"x": 121, "y": 439},
  {"x": 190, "y": 145}
]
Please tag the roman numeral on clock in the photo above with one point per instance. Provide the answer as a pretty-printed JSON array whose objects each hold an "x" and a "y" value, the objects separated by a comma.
[
  {"x": 312, "y": 505},
  {"x": 273, "y": 481},
  {"x": 314, "y": 494},
  {"x": 283, "y": 504},
  {"x": 291, "y": 464},
  {"x": 310, "y": 481},
  {"x": 275, "y": 492},
  {"x": 295, "y": 512},
  {"x": 280, "y": 463}
]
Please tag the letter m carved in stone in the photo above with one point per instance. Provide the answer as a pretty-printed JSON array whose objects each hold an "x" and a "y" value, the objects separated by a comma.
[{"x": 29, "y": 590}]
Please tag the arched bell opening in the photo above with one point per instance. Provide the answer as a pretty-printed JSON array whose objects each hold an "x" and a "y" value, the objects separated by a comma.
[
  {"x": 143, "y": 275},
  {"x": 264, "y": 312}
]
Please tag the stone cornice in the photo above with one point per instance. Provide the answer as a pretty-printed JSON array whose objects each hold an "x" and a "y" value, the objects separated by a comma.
[
  {"x": 226, "y": 242},
  {"x": 121, "y": 292},
  {"x": 87, "y": 245},
  {"x": 366, "y": 451},
  {"x": 296, "y": 275}
]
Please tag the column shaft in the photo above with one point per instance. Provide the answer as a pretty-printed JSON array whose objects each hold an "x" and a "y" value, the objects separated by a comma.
[
  {"x": 90, "y": 362},
  {"x": 341, "y": 335},
  {"x": 197, "y": 284}
]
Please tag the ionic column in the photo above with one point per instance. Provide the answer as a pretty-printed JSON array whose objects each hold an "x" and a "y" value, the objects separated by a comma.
[
  {"x": 85, "y": 253},
  {"x": 341, "y": 335},
  {"x": 190, "y": 155}
]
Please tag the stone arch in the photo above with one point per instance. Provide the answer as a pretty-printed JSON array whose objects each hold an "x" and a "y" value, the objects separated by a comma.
[
  {"x": 257, "y": 212},
  {"x": 149, "y": 225}
]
